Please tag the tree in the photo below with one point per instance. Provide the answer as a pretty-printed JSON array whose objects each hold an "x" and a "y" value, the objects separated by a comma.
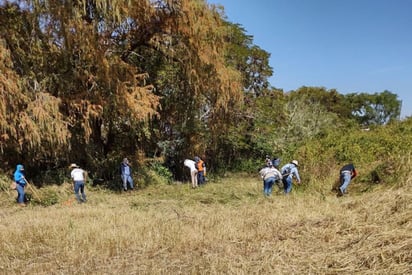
[
  {"x": 249, "y": 59},
  {"x": 374, "y": 109}
]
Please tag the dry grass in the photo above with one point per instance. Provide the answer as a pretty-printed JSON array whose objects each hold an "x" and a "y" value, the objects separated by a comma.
[{"x": 226, "y": 227}]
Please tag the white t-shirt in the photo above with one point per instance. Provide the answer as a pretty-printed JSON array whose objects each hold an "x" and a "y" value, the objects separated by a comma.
[
  {"x": 77, "y": 174},
  {"x": 191, "y": 164}
]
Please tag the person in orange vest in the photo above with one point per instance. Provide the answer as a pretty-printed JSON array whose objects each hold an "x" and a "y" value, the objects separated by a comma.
[{"x": 201, "y": 170}]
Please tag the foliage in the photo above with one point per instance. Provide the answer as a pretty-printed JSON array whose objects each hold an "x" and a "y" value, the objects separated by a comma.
[
  {"x": 88, "y": 82},
  {"x": 374, "y": 109},
  {"x": 379, "y": 153}
]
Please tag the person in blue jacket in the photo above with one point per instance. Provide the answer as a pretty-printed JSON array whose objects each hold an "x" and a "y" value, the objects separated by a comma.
[
  {"x": 20, "y": 184},
  {"x": 126, "y": 174},
  {"x": 289, "y": 171}
]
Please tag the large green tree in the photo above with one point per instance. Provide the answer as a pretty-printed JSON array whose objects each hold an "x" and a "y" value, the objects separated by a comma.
[{"x": 374, "y": 109}]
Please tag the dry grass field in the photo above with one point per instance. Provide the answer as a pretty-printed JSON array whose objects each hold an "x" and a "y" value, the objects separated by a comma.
[{"x": 225, "y": 227}]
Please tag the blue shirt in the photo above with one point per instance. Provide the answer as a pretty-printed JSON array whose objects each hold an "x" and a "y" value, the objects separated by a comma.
[
  {"x": 290, "y": 170},
  {"x": 19, "y": 175},
  {"x": 126, "y": 170}
]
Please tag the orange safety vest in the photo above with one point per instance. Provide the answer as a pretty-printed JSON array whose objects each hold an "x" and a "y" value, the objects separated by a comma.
[{"x": 200, "y": 167}]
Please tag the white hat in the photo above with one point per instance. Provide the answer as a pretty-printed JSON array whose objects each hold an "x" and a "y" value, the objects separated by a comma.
[
  {"x": 295, "y": 162},
  {"x": 73, "y": 165}
]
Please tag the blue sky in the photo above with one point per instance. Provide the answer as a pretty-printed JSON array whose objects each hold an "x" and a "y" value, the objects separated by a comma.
[{"x": 352, "y": 46}]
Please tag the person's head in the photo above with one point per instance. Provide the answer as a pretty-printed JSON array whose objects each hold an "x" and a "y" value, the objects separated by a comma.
[
  {"x": 20, "y": 167},
  {"x": 270, "y": 164},
  {"x": 125, "y": 161},
  {"x": 295, "y": 162},
  {"x": 197, "y": 158},
  {"x": 73, "y": 165}
]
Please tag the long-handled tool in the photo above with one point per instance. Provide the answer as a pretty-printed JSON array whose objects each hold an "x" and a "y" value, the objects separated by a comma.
[{"x": 33, "y": 190}]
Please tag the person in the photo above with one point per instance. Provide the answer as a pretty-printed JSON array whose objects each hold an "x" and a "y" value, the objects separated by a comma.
[
  {"x": 126, "y": 174},
  {"x": 21, "y": 182},
  {"x": 78, "y": 176},
  {"x": 276, "y": 162},
  {"x": 191, "y": 164},
  {"x": 267, "y": 160},
  {"x": 269, "y": 175},
  {"x": 347, "y": 173},
  {"x": 289, "y": 171},
  {"x": 201, "y": 170}
]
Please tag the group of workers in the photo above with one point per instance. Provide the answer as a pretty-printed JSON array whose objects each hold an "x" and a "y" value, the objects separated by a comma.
[
  {"x": 271, "y": 174},
  {"x": 197, "y": 169},
  {"x": 78, "y": 176}
]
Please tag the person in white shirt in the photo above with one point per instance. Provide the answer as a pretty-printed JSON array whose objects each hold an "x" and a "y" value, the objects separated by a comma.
[
  {"x": 191, "y": 164},
  {"x": 269, "y": 175},
  {"x": 79, "y": 177}
]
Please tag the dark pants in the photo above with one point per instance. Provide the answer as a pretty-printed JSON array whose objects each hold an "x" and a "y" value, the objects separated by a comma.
[{"x": 200, "y": 177}]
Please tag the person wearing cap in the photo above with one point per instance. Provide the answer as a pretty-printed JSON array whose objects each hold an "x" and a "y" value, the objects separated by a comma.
[
  {"x": 269, "y": 175},
  {"x": 191, "y": 164},
  {"x": 290, "y": 171},
  {"x": 126, "y": 175},
  {"x": 78, "y": 176},
  {"x": 20, "y": 181},
  {"x": 347, "y": 173}
]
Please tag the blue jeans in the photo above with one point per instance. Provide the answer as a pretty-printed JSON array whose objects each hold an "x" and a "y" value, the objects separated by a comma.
[
  {"x": 127, "y": 179},
  {"x": 267, "y": 186},
  {"x": 287, "y": 184},
  {"x": 79, "y": 188},
  {"x": 200, "y": 177},
  {"x": 344, "y": 181},
  {"x": 20, "y": 193}
]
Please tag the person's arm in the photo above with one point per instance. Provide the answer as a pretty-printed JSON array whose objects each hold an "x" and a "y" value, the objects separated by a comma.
[
  {"x": 279, "y": 174},
  {"x": 354, "y": 173},
  {"x": 296, "y": 173}
]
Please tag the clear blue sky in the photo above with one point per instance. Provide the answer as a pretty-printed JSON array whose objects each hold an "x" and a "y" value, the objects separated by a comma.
[{"x": 352, "y": 46}]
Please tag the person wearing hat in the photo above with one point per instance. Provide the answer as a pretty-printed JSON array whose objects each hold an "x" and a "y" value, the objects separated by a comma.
[
  {"x": 20, "y": 181},
  {"x": 78, "y": 176},
  {"x": 347, "y": 173},
  {"x": 290, "y": 171},
  {"x": 126, "y": 174}
]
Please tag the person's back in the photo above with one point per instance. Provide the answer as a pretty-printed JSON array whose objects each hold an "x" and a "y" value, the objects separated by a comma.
[
  {"x": 271, "y": 171},
  {"x": 193, "y": 171},
  {"x": 77, "y": 174},
  {"x": 288, "y": 172},
  {"x": 276, "y": 162},
  {"x": 190, "y": 164},
  {"x": 347, "y": 173}
]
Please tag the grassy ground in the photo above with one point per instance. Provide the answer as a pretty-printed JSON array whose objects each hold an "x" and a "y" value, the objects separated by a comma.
[{"x": 225, "y": 227}]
